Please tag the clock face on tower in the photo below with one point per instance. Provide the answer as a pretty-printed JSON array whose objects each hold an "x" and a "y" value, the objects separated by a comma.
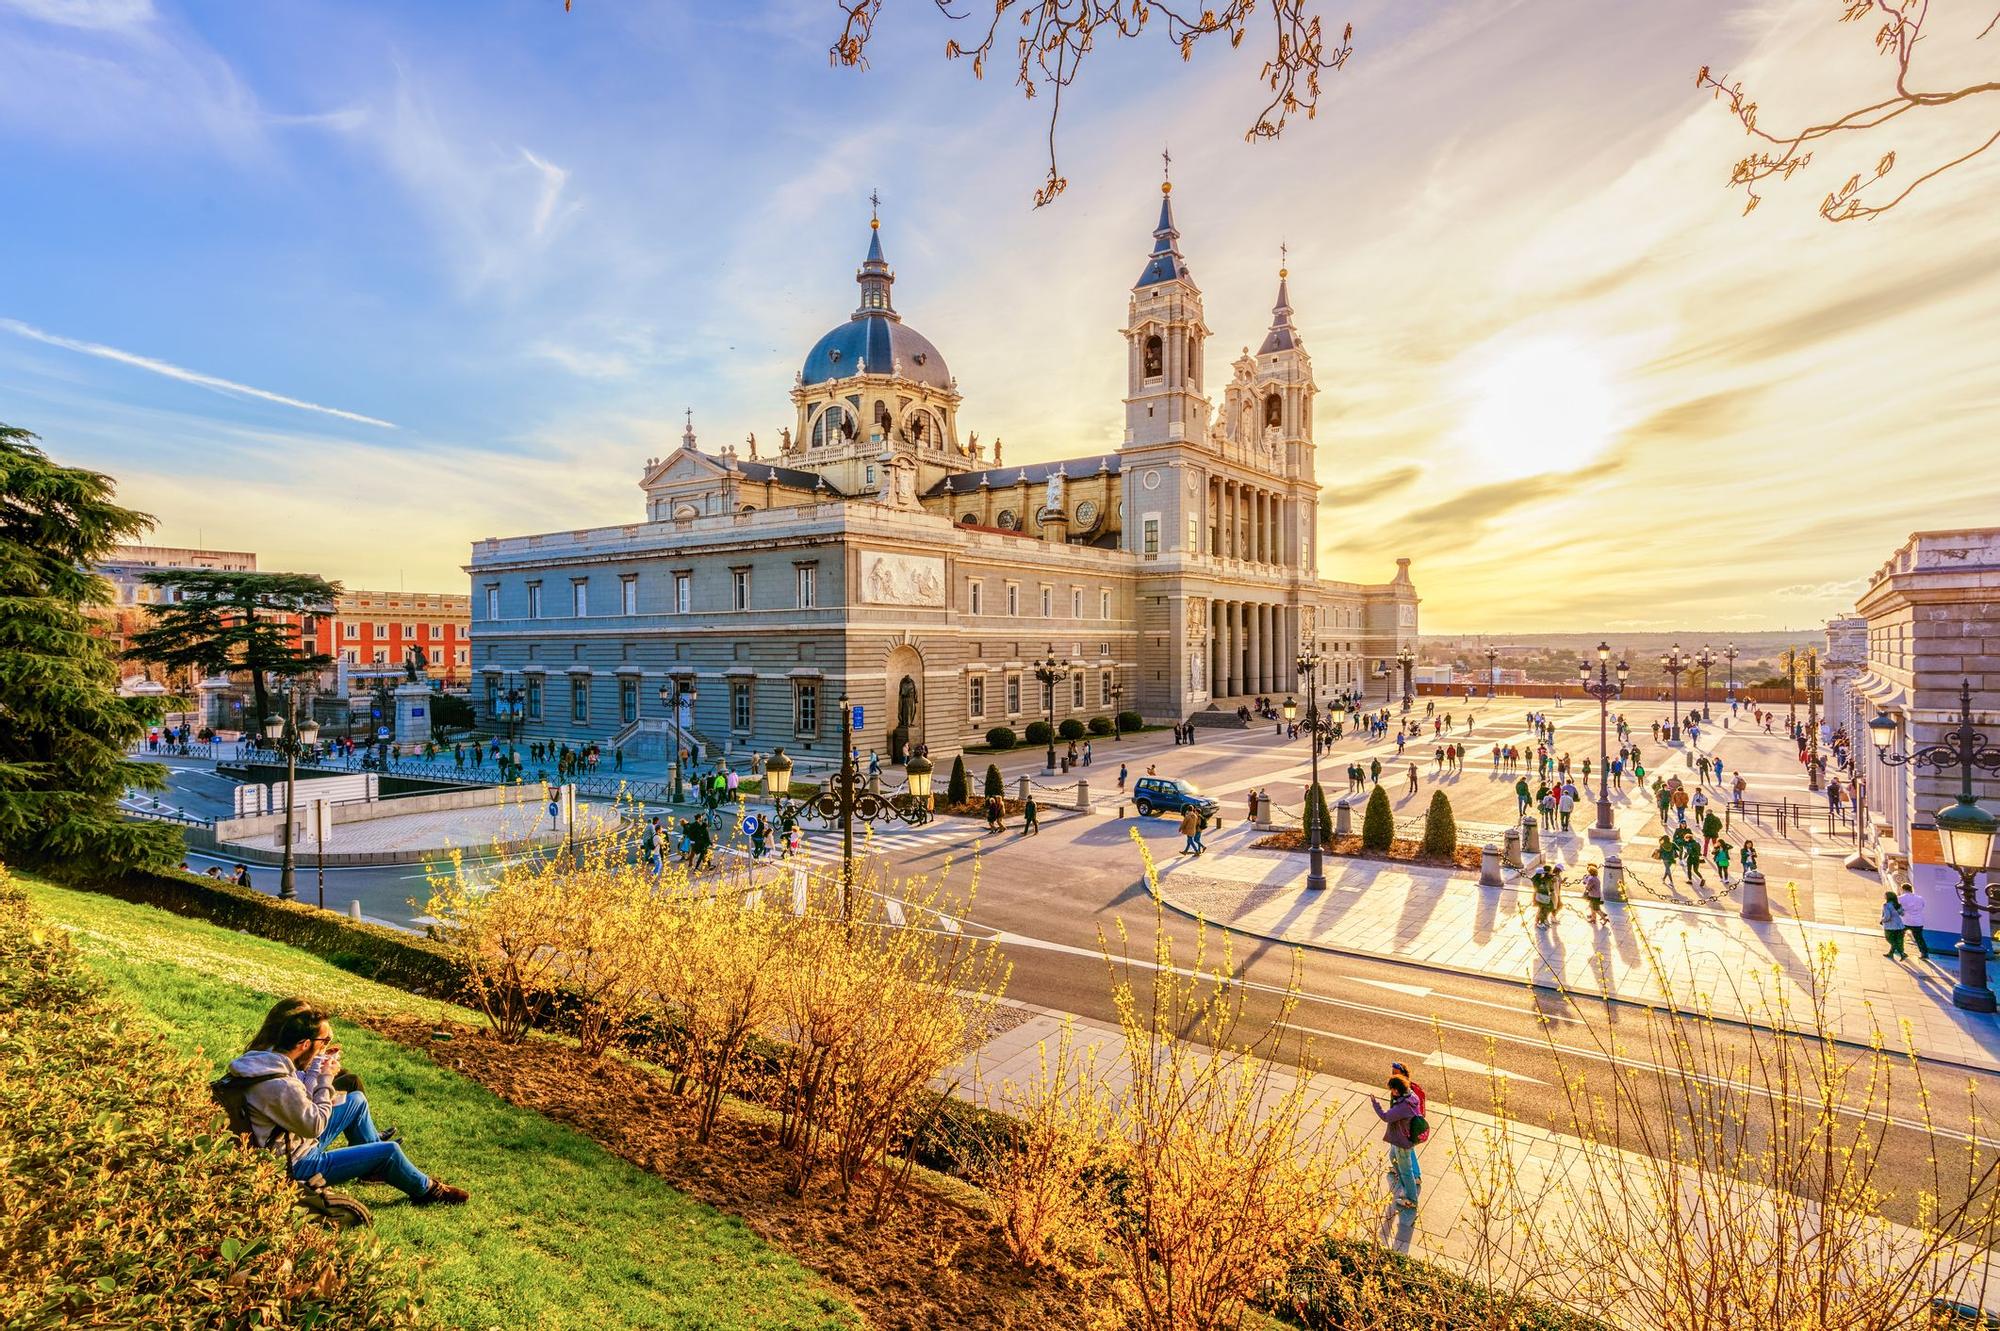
[{"x": 1086, "y": 513}]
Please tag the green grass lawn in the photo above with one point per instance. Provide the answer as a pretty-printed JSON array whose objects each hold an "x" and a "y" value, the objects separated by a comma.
[{"x": 559, "y": 1233}]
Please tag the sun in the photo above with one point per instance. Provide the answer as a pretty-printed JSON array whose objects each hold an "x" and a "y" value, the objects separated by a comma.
[{"x": 1534, "y": 405}]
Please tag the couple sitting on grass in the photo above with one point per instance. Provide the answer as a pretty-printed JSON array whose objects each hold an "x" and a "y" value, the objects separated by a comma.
[{"x": 296, "y": 1098}]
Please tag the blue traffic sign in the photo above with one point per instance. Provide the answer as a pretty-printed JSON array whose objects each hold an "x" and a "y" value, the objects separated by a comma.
[{"x": 857, "y": 716}]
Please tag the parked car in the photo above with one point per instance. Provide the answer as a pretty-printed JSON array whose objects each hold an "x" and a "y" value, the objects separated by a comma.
[{"x": 1164, "y": 794}]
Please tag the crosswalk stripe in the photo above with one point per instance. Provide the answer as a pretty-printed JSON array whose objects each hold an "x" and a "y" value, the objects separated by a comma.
[
  {"x": 895, "y": 910},
  {"x": 799, "y": 895}
]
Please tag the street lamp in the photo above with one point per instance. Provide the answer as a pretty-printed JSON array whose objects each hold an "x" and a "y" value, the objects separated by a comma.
[
  {"x": 672, "y": 694},
  {"x": 1604, "y": 689},
  {"x": 1729, "y": 654},
  {"x": 1792, "y": 692},
  {"x": 1048, "y": 672},
  {"x": 1812, "y": 718},
  {"x": 1705, "y": 659},
  {"x": 844, "y": 795},
  {"x": 1117, "y": 693},
  {"x": 1308, "y": 663},
  {"x": 1673, "y": 662},
  {"x": 1966, "y": 832},
  {"x": 1492, "y": 669},
  {"x": 1407, "y": 659},
  {"x": 289, "y": 736}
]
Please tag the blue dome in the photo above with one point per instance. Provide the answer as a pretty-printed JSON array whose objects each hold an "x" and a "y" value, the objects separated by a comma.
[{"x": 887, "y": 345}]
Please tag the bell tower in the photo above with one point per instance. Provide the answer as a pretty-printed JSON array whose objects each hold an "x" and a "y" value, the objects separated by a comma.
[
  {"x": 1284, "y": 387},
  {"x": 1165, "y": 338}
]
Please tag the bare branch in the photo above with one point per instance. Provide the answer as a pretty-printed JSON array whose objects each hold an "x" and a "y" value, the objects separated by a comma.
[{"x": 1897, "y": 37}]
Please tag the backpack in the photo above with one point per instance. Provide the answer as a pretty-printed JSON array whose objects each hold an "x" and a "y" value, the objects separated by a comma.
[
  {"x": 232, "y": 1093},
  {"x": 1420, "y": 1129}
]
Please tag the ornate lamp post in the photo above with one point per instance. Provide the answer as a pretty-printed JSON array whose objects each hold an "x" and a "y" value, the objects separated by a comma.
[
  {"x": 1308, "y": 665},
  {"x": 1812, "y": 718},
  {"x": 1117, "y": 693},
  {"x": 290, "y": 736},
  {"x": 1673, "y": 662},
  {"x": 1792, "y": 691},
  {"x": 1048, "y": 672},
  {"x": 1492, "y": 669},
  {"x": 1730, "y": 654},
  {"x": 1407, "y": 660},
  {"x": 1604, "y": 689},
  {"x": 1705, "y": 659},
  {"x": 1967, "y": 833},
  {"x": 672, "y": 694},
  {"x": 844, "y": 796}
]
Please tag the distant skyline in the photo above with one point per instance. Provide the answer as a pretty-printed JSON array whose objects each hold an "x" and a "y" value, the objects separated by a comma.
[{"x": 354, "y": 285}]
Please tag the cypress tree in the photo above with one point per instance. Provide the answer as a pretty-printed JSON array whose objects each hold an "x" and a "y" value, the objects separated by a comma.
[
  {"x": 63, "y": 728},
  {"x": 1316, "y": 816},
  {"x": 995, "y": 787},
  {"x": 958, "y": 790},
  {"x": 1378, "y": 824},
  {"x": 1440, "y": 827}
]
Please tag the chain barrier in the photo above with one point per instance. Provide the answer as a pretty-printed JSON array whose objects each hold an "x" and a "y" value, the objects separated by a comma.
[{"x": 1053, "y": 790}]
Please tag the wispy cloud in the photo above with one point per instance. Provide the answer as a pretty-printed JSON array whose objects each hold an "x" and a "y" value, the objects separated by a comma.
[
  {"x": 1822, "y": 591},
  {"x": 183, "y": 374}
]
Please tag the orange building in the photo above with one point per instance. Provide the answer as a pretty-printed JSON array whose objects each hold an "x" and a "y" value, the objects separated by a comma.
[{"x": 374, "y": 630}]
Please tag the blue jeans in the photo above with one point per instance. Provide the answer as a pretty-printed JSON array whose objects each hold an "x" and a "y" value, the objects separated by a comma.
[
  {"x": 368, "y": 1154},
  {"x": 1409, "y": 1176}
]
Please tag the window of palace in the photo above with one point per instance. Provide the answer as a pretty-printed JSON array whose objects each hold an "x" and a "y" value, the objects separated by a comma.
[
  {"x": 805, "y": 708},
  {"x": 975, "y": 696},
  {"x": 1013, "y": 695},
  {"x": 975, "y": 597}
]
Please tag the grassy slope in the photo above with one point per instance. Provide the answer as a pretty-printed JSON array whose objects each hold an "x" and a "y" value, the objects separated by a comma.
[{"x": 558, "y": 1233}]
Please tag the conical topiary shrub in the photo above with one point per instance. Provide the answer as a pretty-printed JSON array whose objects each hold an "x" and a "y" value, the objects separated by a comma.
[
  {"x": 959, "y": 789},
  {"x": 1440, "y": 828},
  {"x": 1378, "y": 825},
  {"x": 1316, "y": 816},
  {"x": 995, "y": 787}
]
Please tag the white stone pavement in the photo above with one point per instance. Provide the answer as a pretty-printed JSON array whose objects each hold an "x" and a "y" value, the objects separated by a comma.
[
  {"x": 1482, "y": 1177},
  {"x": 473, "y": 830},
  {"x": 1712, "y": 957}
]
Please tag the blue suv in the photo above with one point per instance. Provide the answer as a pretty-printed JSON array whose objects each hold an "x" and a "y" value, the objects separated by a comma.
[{"x": 1162, "y": 794}]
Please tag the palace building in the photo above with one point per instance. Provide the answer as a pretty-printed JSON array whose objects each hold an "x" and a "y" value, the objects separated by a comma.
[{"x": 886, "y": 555}]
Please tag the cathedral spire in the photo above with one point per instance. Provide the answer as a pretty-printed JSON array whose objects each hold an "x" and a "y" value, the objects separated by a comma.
[
  {"x": 1166, "y": 263},
  {"x": 874, "y": 275},
  {"x": 1282, "y": 337}
]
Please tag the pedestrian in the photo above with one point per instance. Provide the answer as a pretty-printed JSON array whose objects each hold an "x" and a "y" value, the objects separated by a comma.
[
  {"x": 1413, "y": 778},
  {"x": 1893, "y": 925},
  {"x": 242, "y": 878},
  {"x": 1691, "y": 859},
  {"x": 1521, "y": 798},
  {"x": 1666, "y": 854},
  {"x": 1121, "y": 778},
  {"x": 651, "y": 844},
  {"x": 1545, "y": 896},
  {"x": 1375, "y": 770},
  {"x": 1030, "y": 821},
  {"x": 1747, "y": 853},
  {"x": 1191, "y": 831},
  {"x": 995, "y": 821},
  {"x": 1566, "y": 805},
  {"x": 1398, "y": 1120},
  {"x": 1593, "y": 895},
  {"x": 1912, "y": 907},
  {"x": 1086, "y": 753},
  {"x": 1722, "y": 861},
  {"x": 1736, "y": 790}
]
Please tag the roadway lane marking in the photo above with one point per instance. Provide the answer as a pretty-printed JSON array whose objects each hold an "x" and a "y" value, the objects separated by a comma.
[
  {"x": 1448, "y": 1062},
  {"x": 1413, "y": 990},
  {"x": 895, "y": 910}
]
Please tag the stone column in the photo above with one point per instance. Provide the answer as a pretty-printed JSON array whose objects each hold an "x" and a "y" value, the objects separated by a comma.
[
  {"x": 1215, "y": 656},
  {"x": 1227, "y": 679},
  {"x": 1256, "y": 648}
]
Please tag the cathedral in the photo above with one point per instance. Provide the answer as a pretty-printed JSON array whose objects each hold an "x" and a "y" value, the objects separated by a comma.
[{"x": 882, "y": 553}]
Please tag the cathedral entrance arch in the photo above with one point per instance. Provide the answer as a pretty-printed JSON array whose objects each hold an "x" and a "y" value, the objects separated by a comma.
[{"x": 903, "y": 674}]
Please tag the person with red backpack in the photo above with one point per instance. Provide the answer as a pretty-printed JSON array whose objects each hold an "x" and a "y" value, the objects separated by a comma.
[
  {"x": 1403, "y": 1127},
  {"x": 1399, "y": 1070},
  {"x": 281, "y": 1094}
]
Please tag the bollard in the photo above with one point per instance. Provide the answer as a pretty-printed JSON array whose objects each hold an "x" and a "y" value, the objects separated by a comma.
[
  {"x": 354, "y": 910},
  {"x": 1614, "y": 879},
  {"x": 1511, "y": 848},
  {"x": 1343, "y": 819},
  {"x": 1021, "y": 789},
  {"x": 1489, "y": 866},
  {"x": 1531, "y": 836},
  {"x": 1756, "y": 899},
  {"x": 1263, "y": 818},
  {"x": 1082, "y": 796}
]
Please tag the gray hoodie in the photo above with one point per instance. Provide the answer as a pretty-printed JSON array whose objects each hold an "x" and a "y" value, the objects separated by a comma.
[{"x": 292, "y": 1102}]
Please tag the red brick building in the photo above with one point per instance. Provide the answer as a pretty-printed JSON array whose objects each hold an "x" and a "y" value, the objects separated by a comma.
[{"x": 377, "y": 629}]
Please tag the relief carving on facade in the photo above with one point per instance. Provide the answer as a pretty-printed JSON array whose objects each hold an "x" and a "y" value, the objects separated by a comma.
[
  {"x": 899, "y": 579},
  {"x": 1197, "y": 618}
]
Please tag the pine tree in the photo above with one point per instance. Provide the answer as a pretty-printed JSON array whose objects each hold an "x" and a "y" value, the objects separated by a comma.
[
  {"x": 1440, "y": 828},
  {"x": 995, "y": 787},
  {"x": 1378, "y": 824},
  {"x": 957, "y": 790},
  {"x": 223, "y": 621},
  {"x": 63, "y": 728}
]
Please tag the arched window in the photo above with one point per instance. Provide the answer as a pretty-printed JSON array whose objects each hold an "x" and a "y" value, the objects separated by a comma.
[
  {"x": 970, "y": 519},
  {"x": 1155, "y": 357},
  {"x": 1193, "y": 363},
  {"x": 748, "y": 508},
  {"x": 834, "y": 425},
  {"x": 924, "y": 428},
  {"x": 1005, "y": 522},
  {"x": 1274, "y": 410},
  {"x": 885, "y": 424}
]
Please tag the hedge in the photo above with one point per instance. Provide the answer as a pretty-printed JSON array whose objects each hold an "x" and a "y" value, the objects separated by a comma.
[
  {"x": 1378, "y": 824},
  {"x": 1037, "y": 732},
  {"x": 1101, "y": 725},
  {"x": 1350, "y": 1284},
  {"x": 1000, "y": 737},
  {"x": 1071, "y": 728},
  {"x": 1130, "y": 721},
  {"x": 123, "y": 1202}
]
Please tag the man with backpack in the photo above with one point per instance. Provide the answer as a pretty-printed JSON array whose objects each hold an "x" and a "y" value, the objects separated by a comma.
[
  {"x": 1403, "y": 1127},
  {"x": 280, "y": 1095}
]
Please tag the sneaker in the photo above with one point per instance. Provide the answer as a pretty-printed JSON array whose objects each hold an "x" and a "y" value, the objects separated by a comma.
[{"x": 440, "y": 1193}]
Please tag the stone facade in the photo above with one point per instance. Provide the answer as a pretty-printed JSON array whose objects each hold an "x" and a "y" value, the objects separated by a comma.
[
  {"x": 1931, "y": 621},
  {"x": 885, "y": 556}
]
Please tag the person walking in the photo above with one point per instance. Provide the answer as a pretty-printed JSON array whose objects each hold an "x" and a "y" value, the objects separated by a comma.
[
  {"x": 1691, "y": 859},
  {"x": 1406, "y": 1177},
  {"x": 995, "y": 814},
  {"x": 1031, "y": 824},
  {"x": 1593, "y": 896},
  {"x": 1191, "y": 830},
  {"x": 1413, "y": 778},
  {"x": 1121, "y": 778},
  {"x": 1566, "y": 805},
  {"x": 1375, "y": 770},
  {"x": 1521, "y": 798},
  {"x": 1722, "y": 861},
  {"x": 1893, "y": 926},
  {"x": 1545, "y": 896},
  {"x": 1912, "y": 907}
]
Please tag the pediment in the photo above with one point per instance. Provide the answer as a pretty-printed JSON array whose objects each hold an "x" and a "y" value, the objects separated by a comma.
[{"x": 681, "y": 468}]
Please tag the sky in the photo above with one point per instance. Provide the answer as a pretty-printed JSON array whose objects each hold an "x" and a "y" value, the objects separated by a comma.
[{"x": 355, "y": 285}]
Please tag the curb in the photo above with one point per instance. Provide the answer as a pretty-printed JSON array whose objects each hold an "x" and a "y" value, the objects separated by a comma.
[{"x": 1743, "y": 1023}]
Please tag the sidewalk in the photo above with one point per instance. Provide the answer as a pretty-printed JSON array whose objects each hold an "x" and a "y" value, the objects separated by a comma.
[
  {"x": 1444, "y": 919},
  {"x": 475, "y": 831},
  {"x": 1482, "y": 1178}
]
